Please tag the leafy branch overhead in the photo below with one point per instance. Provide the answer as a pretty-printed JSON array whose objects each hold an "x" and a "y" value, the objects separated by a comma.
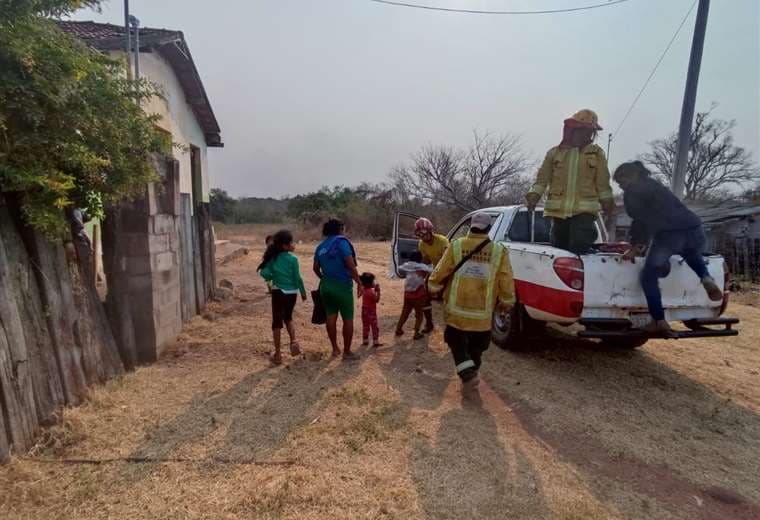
[
  {"x": 12, "y": 10},
  {"x": 72, "y": 132}
]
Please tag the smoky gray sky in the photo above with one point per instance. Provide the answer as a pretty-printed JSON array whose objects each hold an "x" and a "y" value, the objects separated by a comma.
[{"x": 322, "y": 92}]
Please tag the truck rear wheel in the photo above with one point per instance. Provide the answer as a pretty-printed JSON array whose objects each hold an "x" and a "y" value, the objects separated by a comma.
[{"x": 509, "y": 331}]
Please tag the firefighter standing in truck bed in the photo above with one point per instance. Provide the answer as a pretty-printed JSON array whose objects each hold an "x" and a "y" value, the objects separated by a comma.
[
  {"x": 577, "y": 182},
  {"x": 471, "y": 293}
]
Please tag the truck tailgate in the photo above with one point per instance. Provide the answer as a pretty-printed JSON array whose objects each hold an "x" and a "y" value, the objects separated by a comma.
[{"x": 612, "y": 288}]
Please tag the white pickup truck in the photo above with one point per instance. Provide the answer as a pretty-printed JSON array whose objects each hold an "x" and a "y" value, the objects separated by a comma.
[{"x": 598, "y": 290}]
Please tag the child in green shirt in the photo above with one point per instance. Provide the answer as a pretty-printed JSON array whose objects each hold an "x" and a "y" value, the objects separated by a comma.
[{"x": 280, "y": 269}]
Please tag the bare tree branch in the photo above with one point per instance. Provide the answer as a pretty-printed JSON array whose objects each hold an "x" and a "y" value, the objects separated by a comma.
[
  {"x": 715, "y": 164},
  {"x": 490, "y": 172}
]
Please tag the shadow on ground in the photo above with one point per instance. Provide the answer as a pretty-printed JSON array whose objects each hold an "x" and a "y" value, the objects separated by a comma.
[
  {"x": 624, "y": 417},
  {"x": 249, "y": 421},
  {"x": 464, "y": 470}
]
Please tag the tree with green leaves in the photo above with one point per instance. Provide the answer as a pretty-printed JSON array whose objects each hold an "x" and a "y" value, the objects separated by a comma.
[
  {"x": 72, "y": 130},
  {"x": 222, "y": 206}
]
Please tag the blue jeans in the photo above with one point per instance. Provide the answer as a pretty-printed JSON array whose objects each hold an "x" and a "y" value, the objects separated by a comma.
[{"x": 689, "y": 243}]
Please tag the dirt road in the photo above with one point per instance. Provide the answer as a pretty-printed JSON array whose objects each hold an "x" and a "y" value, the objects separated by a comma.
[{"x": 566, "y": 431}]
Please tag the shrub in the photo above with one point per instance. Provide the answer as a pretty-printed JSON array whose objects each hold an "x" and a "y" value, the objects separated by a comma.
[{"x": 72, "y": 132}]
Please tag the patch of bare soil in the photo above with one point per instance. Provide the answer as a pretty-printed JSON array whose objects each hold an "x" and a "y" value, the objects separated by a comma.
[{"x": 566, "y": 430}]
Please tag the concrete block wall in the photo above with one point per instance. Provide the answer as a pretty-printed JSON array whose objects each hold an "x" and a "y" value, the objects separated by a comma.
[{"x": 151, "y": 258}]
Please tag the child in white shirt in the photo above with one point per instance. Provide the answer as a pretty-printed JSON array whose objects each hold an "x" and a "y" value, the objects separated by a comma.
[{"x": 415, "y": 293}]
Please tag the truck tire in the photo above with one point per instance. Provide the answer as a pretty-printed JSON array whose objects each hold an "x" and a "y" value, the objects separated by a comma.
[
  {"x": 504, "y": 328},
  {"x": 511, "y": 330}
]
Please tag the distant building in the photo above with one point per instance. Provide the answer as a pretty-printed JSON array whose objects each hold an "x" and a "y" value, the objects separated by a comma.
[{"x": 732, "y": 229}]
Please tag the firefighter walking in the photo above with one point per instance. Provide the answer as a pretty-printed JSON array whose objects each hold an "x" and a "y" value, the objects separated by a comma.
[
  {"x": 476, "y": 277},
  {"x": 576, "y": 180}
]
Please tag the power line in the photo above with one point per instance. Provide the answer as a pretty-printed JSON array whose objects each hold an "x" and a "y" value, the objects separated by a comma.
[
  {"x": 473, "y": 11},
  {"x": 654, "y": 70}
]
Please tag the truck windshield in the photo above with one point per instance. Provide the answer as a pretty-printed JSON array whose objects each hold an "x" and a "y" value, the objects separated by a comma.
[{"x": 519, "y": 231}]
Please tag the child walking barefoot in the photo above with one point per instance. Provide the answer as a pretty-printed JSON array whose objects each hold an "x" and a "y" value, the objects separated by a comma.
[
  {"x": 370, "y": 295},
  {"x": 415, "y": 293},
  {"x": 280, "y": 268}
]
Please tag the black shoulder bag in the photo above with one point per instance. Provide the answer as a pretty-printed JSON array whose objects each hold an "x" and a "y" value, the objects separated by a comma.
[{"x": 463, "y": 261}]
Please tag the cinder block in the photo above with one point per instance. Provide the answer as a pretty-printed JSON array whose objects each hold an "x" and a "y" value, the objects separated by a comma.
[
  {"x": 168, "y": 296},
  {"x": 152, "y": 199},
  {"x": 135, "y": 221},
  {"x": 166, "y": 278},
  {"x": 165, "y": 337},
  {"x": 145, "y": 332},
  {"x": 174, "y": 242},
  {"x": 163, "y": 224},
  {"x": 163, "y": 261},
  {"x": 158, "y": 243},
  {"x": 137, "y": 265},
  {"x": 168, "y": 317},
  {"x": 142, "y": 283},
  {"x": 146, "y": 243},
  {"x": 135, "y": 244}
]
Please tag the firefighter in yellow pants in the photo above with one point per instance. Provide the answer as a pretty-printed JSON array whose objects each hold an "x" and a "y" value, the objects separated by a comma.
[
  {"x": 471, "y": 294},
  {"x": 575, "y": 177}
]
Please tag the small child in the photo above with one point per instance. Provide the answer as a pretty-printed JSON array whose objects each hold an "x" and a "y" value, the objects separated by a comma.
[
  {"x": 370, "y": 294},
  {"x": 415, "y": 293},
  {"x": 280, "y": 268}
]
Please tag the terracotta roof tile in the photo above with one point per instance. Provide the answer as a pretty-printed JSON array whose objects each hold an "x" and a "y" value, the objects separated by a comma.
[
  {"x": 93, "y": 31},
  {"x": 172, "y": 46}
]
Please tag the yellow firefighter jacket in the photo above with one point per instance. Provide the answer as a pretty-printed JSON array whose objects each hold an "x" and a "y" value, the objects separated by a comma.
[
  {"x": 577, "y": 181},
  {"x": 477, "y": 287}
]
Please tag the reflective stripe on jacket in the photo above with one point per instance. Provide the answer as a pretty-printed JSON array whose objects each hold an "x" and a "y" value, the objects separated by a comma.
[
  {"x": 477, "y": 287},
  {"x": 576, "y": 181}
]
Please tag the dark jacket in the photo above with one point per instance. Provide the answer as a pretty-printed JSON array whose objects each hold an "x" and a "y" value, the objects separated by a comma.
[{"x": 654, "y": 208}]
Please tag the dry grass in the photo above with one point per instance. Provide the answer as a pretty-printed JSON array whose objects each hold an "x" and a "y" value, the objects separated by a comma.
[
  {"x": 255, "y": 234},
  {"x": 747, "y": 294},
  {"x": 566, "y": 431}
]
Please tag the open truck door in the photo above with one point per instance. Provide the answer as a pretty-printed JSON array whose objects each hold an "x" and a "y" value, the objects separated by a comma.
[{"x": 404, "y": 241}]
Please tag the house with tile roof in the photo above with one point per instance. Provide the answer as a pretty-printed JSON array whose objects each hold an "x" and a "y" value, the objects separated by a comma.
[
  {"x": 158, "y": 251},
  {"x": 185, "y": 110}
]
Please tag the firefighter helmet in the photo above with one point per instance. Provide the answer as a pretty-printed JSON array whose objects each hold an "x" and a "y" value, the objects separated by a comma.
[
  {"x": 587, "y": 118},
  {"x": 422, "y": 226}
]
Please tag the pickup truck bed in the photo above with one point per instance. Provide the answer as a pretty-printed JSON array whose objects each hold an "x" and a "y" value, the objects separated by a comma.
[{"x": 599, "y": 290}]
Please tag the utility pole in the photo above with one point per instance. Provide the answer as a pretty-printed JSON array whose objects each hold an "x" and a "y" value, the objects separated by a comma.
[
  {"x": 128, "y": 39},
  {"x": 689, "y": 99},
  {"x": 609, "y": 142},
  {"x": 135, "y": 23}
]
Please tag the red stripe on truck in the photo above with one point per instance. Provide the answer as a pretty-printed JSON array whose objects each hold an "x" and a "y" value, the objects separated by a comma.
[{"x": 568, "y": 304}]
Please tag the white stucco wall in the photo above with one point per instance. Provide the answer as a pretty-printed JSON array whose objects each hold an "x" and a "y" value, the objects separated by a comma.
[{"x": 177, "y": 117}]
